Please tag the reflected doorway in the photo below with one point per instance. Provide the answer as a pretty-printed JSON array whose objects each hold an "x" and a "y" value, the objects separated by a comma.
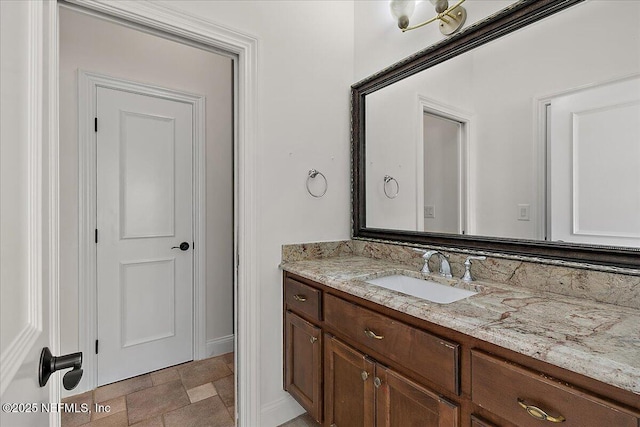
[{"x": 443, "y": 188}]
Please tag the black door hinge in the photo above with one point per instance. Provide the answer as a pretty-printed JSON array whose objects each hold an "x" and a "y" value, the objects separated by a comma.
[
  {"x": 96, "y": 346},
  {"x": 95, "y": 124},
  {"x": 96, "y": 235}
]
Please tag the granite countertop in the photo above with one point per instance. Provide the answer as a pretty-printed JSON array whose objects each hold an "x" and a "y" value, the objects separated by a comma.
[{"x": 600, "y": 341}]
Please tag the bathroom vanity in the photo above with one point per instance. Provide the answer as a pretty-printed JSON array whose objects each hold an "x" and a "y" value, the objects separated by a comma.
[
  {"x": 357, "y": 354},
  {"x": 552, "y": 335}
]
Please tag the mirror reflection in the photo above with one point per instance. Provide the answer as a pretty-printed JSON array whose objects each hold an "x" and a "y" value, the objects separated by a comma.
[{"x": 533, "y": 136}]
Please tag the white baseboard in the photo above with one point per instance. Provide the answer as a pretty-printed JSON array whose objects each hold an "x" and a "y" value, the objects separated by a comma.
[
  {"x": 214, "y": 347},
  {"x": 280, "y": 411},
  {"x": 218, "y": 346}
]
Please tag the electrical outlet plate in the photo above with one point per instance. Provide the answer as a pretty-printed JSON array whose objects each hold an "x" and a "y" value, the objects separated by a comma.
[
  {"x": 523, "y": 212},
  {"x": 430, "y": 211}
]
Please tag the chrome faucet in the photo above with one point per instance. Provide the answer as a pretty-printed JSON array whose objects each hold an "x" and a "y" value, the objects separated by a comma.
[{"x": 445, "y": 267}]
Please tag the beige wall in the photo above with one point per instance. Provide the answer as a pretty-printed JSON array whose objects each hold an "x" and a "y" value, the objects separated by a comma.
[
  {"x": 96, "y": 45},
  {"x": 305, "y": 69}
]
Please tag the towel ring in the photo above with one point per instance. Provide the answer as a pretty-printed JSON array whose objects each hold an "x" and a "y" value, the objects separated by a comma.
[
  {"x": 388, "y": 179},
  {"x": 312, "y": 175}
]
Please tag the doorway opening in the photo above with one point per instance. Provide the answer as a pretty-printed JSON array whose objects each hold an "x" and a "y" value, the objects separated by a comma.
[
  {"x": 442, "y": 168},
  {"x": 442, "y": 177},
  {"x": 203, "y": 346}
]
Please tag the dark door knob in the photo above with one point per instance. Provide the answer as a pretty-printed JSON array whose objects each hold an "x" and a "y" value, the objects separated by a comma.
[
  {"x": 49, "y": 364},
  {"x": 184, "y": 246}
]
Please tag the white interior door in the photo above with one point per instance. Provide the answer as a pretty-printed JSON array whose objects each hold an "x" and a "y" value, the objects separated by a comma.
[
  {"x": 144, "y": 212},
  {"x": 25, "y": 316},
  {"x": 593, "y": 156}
]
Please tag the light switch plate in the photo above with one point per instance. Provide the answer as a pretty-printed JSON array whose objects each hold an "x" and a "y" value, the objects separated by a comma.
[{"x": 523, "y": 212}]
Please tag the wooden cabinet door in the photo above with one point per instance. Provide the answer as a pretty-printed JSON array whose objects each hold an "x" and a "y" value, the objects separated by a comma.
[
  {"x": 303, "y": 363},
  {"x": 349, "y": 390},
  {"x": 401, "y": 402}
]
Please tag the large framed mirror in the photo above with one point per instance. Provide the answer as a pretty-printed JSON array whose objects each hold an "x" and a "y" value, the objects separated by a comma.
[{"x": 519, "y": 135}]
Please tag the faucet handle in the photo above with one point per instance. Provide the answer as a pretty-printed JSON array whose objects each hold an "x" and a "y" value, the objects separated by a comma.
[{"x": 467, "y": 267}]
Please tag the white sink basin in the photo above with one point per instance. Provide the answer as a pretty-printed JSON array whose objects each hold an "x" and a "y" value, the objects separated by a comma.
[{"x": 425, "y": 289}]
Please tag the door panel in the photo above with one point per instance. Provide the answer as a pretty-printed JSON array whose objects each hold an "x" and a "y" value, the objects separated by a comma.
[
  {"x": 144, "y": 205},
  {"x": 25, "y": 319},
  {"x": 149, "y": 287},
  {"x": 147, "y": 180},
  {"x": 596, "y": 131}
]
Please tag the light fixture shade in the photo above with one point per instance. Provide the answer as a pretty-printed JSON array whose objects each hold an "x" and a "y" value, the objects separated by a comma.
[
  {"x": 440, "y": 5},
  {"x": 402, "y": 11}
]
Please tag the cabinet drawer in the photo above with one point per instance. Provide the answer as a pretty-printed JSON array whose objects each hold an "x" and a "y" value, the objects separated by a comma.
[
  {"x": 303, "y": 299},
  {"x": 479, "y": 422},
  {"x": 502, "y": 388},
  {"x": 427, "y": 355}
]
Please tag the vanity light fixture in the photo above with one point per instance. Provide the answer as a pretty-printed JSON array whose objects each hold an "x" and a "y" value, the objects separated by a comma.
[{"x": 451, "y": 18}]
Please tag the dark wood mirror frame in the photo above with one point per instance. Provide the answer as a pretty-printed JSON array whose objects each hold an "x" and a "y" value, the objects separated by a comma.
[{"x": 506, "y": 21}]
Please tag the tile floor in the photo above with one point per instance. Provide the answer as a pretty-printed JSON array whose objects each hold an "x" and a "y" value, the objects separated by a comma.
[
  {"x": 302, "y": 421},
  {"x": 192, "y": 394}
]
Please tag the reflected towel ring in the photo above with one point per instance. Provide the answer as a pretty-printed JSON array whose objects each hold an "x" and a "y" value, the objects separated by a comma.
[
  {"x": 312, "y": 175},
  {"x": 388, "y": 179}
]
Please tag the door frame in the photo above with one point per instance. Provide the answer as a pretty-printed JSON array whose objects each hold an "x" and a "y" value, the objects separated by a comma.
[
  {"x": 245, "y": 48},
  {"x": 88, "y": 84}
]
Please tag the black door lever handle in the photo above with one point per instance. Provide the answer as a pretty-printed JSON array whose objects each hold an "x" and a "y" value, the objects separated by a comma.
[
  {"x": 184, "y": 246},
  {"x": 49, "y": 364}
]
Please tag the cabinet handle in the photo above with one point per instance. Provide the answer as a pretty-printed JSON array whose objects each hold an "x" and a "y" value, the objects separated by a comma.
[
  {"x": 377, "y": 382},
  {"x": 372, "y": 334},
  {"x": 300, "y": 298},
  {"x": 539, "y": 414},
  {"x": 313, "y": 339},
  {"x": 364, "y": 375}
]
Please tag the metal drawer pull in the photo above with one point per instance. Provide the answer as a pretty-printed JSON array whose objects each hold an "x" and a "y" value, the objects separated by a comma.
[
  {"x": 377, "y": 382},
  {"x": 300, "y": 298},
  {"x": 313, "y": 339},
  {"x": 372, "y": 334},
  {"x": 364, "y": 375},
  {"x": 539, "y": 414}
]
